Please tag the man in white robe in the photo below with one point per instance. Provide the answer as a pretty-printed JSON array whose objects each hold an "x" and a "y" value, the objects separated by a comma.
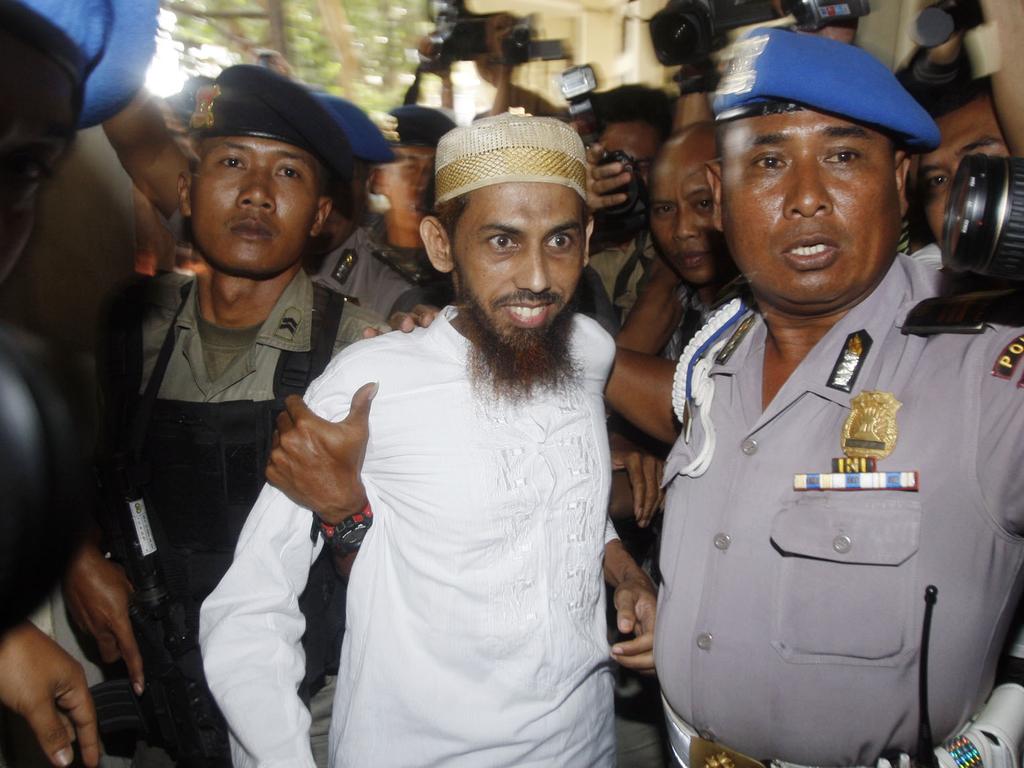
[{"x": 475, "y": 625}]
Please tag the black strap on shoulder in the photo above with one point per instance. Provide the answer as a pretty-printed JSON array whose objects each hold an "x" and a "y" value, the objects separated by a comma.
[
  {"x": 121, "y": 366},
  {"x": 295, "y": 369},
  {"x": 142, "y": 414}
]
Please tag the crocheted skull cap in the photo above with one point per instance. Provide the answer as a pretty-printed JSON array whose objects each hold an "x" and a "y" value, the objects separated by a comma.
[{"x": 509, "y": 148}]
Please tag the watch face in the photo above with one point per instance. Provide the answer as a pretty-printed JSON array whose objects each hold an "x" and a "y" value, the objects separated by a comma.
[{"x": 349, "y": 534}]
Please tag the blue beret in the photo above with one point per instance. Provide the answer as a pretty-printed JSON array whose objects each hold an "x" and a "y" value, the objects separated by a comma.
[
  {"x": 366, "y": 139},
  {"x": 420, "y": 126},
  {"x": 772, "y": 66},
  {"x": 104, "y": 45},
  {"x": 247, "y": 100}
]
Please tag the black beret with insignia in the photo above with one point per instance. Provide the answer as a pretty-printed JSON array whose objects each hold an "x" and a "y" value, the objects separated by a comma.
[{"x": 246, "y": 100}]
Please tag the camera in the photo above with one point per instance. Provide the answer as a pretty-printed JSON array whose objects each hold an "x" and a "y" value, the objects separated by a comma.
[
  {"x": 983, "y": 231},
  {"x": 686, "y": 31},
  {"x": 935, "y": 24},
  {"x": 461, "y": 35},
  {"x": 576, "y": 84},
  {"x": 618, "y": 222}
]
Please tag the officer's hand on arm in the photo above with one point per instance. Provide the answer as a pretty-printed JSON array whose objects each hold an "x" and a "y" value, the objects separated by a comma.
[
  {"x": 318, "y": 463},
  {"x": 644, "y": 471},
  {"x": 636, "y": 607},
  {"x": 603, "y": 179},
  {"x": 420, "y": 316},
  {"x": 47, "y": 687},
  {"x": 97, "y": 594}
]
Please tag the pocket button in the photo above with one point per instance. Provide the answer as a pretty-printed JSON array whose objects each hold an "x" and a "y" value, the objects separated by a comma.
[{"x": 842, "y": 544}]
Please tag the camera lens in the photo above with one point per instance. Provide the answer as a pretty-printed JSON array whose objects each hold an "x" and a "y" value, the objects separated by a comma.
[
  {"x": 983, "y": 230},
  {"x": 680, "y": 33}
]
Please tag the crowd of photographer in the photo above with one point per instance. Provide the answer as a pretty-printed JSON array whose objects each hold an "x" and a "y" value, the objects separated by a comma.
[{"x": 195, "y": 375}]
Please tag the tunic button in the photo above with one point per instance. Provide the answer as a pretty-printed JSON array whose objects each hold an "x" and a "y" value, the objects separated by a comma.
[
  {"x": 842, "y": 544},
  {"x": 722, "y": 541},
  {"x": 704, "y": 641},
  {"x": 749, "y": 446}
]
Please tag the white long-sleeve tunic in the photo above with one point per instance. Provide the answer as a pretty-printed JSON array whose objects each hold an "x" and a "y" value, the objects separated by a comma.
[{"x": 475, "y": 626}]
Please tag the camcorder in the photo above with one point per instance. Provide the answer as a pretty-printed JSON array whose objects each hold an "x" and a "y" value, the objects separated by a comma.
[
  {"x": 461, "y": 35},
  {"x": 686, "y": 31},
  {"x": 983, "y": 231},
  {"x": 619, "y": 222},
  {"x": 935, "y": 24}
]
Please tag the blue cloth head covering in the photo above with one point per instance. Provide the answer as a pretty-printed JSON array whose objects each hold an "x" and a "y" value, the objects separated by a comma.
[
  {"x": 366, "y": 139},
  {"x": 104, "y": 46},
  {"x": 773, "y": 67}
]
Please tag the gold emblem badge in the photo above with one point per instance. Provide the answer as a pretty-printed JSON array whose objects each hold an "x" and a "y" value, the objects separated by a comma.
[
  {"x": 202, "y": 117},
  {"x": 388, "y": 126},
  {"x": 870, "y": 430},
  {"x": 711, "y": 754}
]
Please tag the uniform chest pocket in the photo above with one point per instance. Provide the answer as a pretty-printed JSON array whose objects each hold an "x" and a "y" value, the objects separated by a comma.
[{"x": 846, "y": 579}]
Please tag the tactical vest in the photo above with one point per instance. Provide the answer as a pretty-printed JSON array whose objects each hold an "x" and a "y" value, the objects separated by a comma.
[{"x": 202, "y": 466}]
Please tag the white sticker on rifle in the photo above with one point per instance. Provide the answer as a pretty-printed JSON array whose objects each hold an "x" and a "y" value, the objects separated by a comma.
[{"x": 142, "y": 530}]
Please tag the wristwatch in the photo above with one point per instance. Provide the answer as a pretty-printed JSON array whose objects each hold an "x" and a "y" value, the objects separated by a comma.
[{"x": 347, "y": 536}]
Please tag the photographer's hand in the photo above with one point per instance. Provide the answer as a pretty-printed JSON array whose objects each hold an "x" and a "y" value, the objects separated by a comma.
[
  {"x": 318, "y": 463},
  {"x": 603, "y": 179},
  {"x": 47, "y": 687}
]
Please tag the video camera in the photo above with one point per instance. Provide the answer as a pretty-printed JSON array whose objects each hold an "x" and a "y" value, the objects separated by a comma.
[
  {"x": 686, "y": 31},
  {"x": 983, "y": 230},
  {"x": 935, "y": 24},
  {"x": 622, "y": 221},
  {"x": 461, "y": 35}
]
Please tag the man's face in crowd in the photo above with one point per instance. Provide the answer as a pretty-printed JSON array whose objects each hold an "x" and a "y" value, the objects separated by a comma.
[
  {"x": 253, "y": 204},
  {"x": 404, "y": 182},
  {"x": 348, "y": 204},
  {"x": 682, "y": 207},
  {"x": 638, "y": 139},
  {"x": 36, "y": 124},
  {"x": 517, "y": 253},
  {"x": 971, "y": 129},
  {"x": 810, "y": 205}
]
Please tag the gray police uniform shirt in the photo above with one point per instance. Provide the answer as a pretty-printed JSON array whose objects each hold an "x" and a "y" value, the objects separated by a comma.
[
  {"x": 251, "y": 375},
  {"x": 373, "y": 283},
  {"x": 789, "y": 622}
]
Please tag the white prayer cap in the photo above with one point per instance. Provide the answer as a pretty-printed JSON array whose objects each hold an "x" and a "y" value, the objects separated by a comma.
[{"x": 508, "y": 148}]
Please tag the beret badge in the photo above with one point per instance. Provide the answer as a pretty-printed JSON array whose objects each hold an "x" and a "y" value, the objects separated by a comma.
[
  {"x": 741, "y": 69},
  {"x": 202, "y": 117},
  {"x": 388, "y": 126}
]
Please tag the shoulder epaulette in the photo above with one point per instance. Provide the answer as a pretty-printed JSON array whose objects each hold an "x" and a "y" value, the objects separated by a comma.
[{"x": 966, "y": 313}]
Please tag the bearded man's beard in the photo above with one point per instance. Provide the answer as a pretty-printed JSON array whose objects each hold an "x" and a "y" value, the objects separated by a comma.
[{"x": 517, "y": 363}]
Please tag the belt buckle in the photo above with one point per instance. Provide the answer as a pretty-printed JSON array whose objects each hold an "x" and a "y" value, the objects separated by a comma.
[{"x": 711, "y": 754}]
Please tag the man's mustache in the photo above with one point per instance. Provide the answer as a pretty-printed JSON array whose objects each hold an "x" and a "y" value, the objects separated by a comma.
[{"x": 528, "y": 298}]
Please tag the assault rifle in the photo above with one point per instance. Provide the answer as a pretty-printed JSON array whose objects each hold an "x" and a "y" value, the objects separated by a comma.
[{"x": 176, "y": 711}]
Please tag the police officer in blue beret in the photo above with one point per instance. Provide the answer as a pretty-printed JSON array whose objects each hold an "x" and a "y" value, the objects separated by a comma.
[
  {"x": 198, "y": 369},
  {"x": 62, "y": 66},
  {"x": 842, "y": 551},
  {"x": 382, "y": 263}
]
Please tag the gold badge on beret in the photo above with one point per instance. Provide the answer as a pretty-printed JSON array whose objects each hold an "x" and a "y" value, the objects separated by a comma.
[
  {"x": 202, "y": 117},
  {"x": 870, "y": 430}
]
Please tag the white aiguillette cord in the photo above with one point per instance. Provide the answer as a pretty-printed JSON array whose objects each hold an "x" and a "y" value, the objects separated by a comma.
[{"x": 692, "y": 381}]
